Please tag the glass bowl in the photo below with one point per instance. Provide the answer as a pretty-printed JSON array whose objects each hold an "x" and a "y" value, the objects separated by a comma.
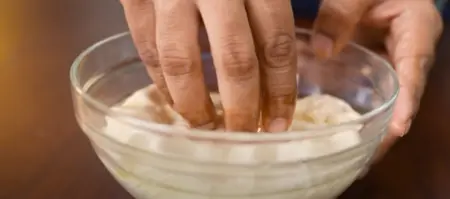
[{"x": 157, "y": 161}]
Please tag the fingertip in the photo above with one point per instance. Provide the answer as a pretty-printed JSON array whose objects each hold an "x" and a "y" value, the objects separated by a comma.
[
  {"x": 202, "y": 117},
  {"x": 337, "y": 20},
  {"x": 238, "y": 121},
  {"x": 322, "y": 45},
  {"x": 277, "y": 114},
  {"x": 278, "y": 125},
  {"x": 400, "y": 129}
]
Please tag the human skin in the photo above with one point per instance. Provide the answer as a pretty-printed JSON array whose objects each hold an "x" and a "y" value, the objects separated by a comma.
[{"x": 252, "y": 43}]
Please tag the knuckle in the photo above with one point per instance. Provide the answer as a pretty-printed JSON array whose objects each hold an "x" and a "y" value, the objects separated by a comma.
[
  {"x": 279, "y": 52},
  {"x": 238, "y": 60},
  {"x": 148, "y": 55},
  {"x": 176, "y": 62},
  {"x": 281, "y": 89}
]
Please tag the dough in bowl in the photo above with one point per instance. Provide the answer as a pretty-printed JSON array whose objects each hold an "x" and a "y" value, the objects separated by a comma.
[{"x": 311, "y": 112}]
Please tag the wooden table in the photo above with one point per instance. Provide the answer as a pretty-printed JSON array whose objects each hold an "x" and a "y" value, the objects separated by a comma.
[{"x": 44, "y": 155}]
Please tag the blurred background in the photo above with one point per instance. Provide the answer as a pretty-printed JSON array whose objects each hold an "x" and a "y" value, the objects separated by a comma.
[
  {"x": 38, "y": 42},
  {"x": 43, "y": 154}
]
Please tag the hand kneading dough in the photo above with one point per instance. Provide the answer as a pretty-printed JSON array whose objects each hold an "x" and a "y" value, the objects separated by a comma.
[{"x": 312, "y": 111}]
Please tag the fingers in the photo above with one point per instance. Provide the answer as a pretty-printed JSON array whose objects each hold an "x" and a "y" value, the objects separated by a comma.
[
  {"x": 272, "y": 23},
  {"x": 179, "y": 55},
  {"x": 412, "y": 79},
  {"x": 235, "y": 61},
  {"x": 335, "y": 24},
  {"x": 141, "y": 21},
  {"x": 416, "y": 21},
  {"x": 162, "y": 115}
]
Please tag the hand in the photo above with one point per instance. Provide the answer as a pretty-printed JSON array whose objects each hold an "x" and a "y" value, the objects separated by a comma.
[
  {"x": 411, "y": 29},
  {"x": 248, "y": 66}
]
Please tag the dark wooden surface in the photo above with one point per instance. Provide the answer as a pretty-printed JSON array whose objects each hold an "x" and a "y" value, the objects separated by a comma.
[{"x": 44, "y": 155}]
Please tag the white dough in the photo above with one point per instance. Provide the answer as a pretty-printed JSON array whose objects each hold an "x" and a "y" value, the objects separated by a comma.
[{"x": 311, "y": 112}]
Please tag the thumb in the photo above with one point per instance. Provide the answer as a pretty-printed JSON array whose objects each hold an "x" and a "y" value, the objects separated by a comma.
[
  {"x": 335, "y": 24},
  {"x": 412, "y": 78},
  {"x": 414, "y": 28}
]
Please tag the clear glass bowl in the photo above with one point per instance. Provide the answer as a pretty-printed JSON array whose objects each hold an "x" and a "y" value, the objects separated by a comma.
[{"x": 156, "y": 161}]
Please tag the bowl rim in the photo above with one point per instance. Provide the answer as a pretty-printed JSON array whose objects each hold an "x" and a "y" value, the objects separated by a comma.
[{"x": 234, "y": 137}]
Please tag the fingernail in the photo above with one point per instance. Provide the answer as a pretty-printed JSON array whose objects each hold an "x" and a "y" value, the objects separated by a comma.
[
  {"x": 278, "y": 125},
  {"x": 401, "y": 129},
  {"x": 407, "y": 127},
  {"x": 322, "y": 45}
]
